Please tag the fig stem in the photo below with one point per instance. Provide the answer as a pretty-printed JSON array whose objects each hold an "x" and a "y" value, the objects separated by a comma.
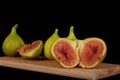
[
  {"x": 56, "y": 30},
  {"x": 71, "y": 33},
  {"x": 14, "y": 28},
  {"x": 71, "y": 29}
]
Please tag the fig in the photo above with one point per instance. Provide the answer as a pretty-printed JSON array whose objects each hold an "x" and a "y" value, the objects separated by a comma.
[
  {"x": 92, "y": 52},
  {"x": 65, "y": 53},
  {"x": 71, "y": 34},
  {"x": 49, "y": 42},
  {"x": 79, "y": 42},
  {"x": 31, "y": 51},
  {"x": 12, "y": 42}
]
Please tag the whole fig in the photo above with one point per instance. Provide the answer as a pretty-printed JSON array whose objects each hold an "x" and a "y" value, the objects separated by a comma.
[
  {"x": 12, "y": 42},
  {"x": 48, "y": 44}
]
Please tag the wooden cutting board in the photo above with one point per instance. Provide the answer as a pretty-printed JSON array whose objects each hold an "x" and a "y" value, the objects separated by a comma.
[{"x": 52, "y": 67}]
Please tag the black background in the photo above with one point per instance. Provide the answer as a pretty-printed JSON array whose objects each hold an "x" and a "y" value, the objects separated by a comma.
[{"x": 38, "y": 21}]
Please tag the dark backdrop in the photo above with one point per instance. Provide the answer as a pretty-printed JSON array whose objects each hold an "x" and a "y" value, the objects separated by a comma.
[{"x": 39, "y": 23}]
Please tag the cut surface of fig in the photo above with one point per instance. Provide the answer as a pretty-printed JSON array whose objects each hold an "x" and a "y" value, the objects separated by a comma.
[
  {"x": 92, "y": 52},
  {"x": 31, "y": 51},
  {"x": 65, "y": 53}
]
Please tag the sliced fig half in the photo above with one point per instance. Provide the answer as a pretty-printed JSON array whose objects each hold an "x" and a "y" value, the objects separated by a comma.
[
  {"x": 64, "y": 51},
  {"x": 31, "y": 51},
  {"x": 92, "y": 52}
]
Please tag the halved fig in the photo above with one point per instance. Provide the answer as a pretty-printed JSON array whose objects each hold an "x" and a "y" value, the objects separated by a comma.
[
  {"x": 92, "y": 52},
  {"x": 64, "y": 51},
  {"x": 31, "y": 51}
]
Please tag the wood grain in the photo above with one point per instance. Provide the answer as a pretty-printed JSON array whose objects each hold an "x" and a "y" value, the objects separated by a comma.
[{"x": 52, "y": 67}]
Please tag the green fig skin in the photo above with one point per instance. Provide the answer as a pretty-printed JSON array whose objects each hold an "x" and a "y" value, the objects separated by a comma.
[
  {"x": 31, "y": 53},
  {"x": 71, "y": 34},
  {"x": 12, "y": 42},
  {"x": 79, "y": 43},
  {"x": 48, "y": 44}
]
